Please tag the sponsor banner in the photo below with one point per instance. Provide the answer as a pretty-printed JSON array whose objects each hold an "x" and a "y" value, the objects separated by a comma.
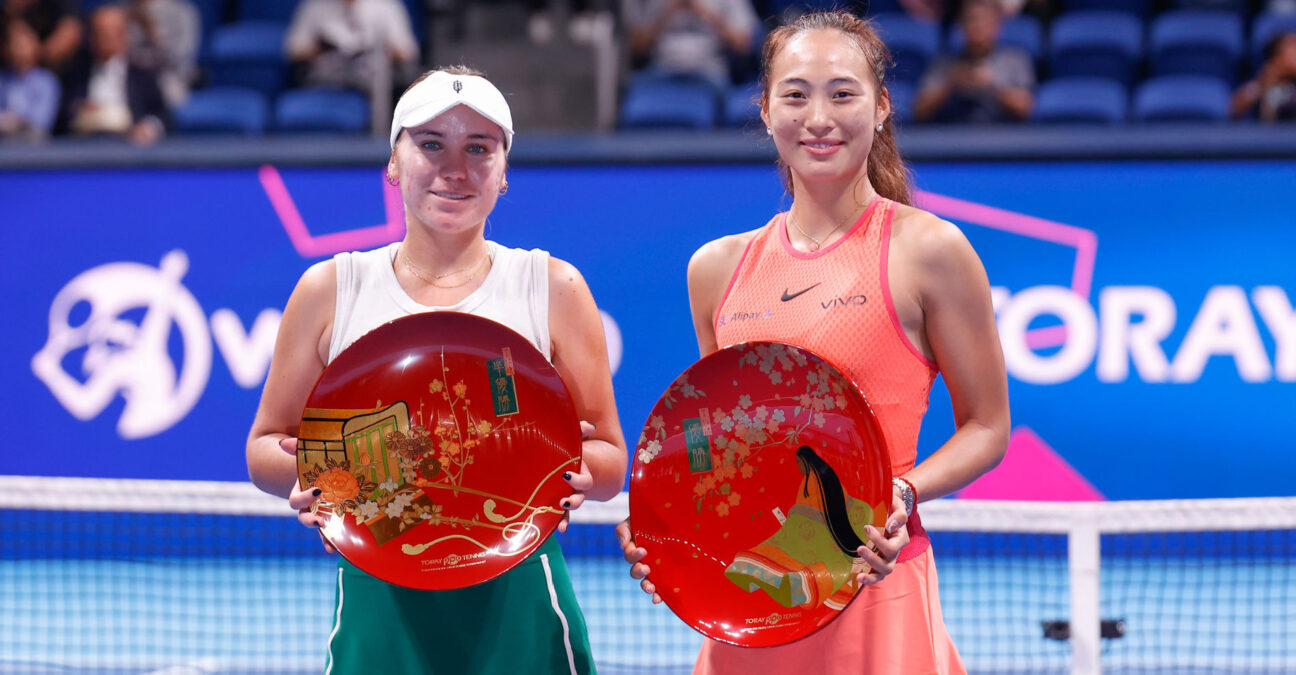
[{"x": 1145, "y": 309}]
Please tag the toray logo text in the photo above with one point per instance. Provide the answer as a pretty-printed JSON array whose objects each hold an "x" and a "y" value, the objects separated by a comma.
[
  {"x": 110, "y": 334},
  {"x": 1131, "y": 325}
]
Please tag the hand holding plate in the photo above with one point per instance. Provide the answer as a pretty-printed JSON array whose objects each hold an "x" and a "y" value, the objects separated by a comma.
[
  {"x": 303, "y": 499},
  {"x": 580, "y": 481},
  {"x": 633, "y": 554},
  {"x": 884, "y": 548}
]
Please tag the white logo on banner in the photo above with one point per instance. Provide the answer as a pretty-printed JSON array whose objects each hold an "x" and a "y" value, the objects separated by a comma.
[
  {"x": 612, "y": 336},
  {"x": 122, "y": 356},
  {"x": 132, "y": 359}
]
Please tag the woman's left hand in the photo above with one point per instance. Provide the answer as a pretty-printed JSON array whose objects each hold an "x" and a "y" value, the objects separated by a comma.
[
  {"x": 580, "y": 482},
  {"x": 884, "y": 547}
]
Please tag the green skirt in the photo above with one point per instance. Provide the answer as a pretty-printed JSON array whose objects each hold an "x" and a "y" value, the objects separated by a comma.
[{"x": 525, "y": 621}]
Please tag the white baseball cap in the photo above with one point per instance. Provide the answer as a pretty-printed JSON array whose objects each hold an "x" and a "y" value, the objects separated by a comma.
[{"x": 442, "y": 91}]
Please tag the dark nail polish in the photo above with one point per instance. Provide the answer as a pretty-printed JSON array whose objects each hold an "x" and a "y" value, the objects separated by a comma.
[
  {"x": 317, "y": 492},
  {"x": 566, "y": 475},
  {"x": 566, "y": 504}
]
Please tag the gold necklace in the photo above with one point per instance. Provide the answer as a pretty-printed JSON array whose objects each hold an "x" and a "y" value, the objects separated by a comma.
[
  {"x": 819, "y": 242},
  {"x": 409, "y": 265}
]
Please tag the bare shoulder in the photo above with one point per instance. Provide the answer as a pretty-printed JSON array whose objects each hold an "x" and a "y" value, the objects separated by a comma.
[
  {"x": 726, "y": 248},
  {"x": 573, "y": 316},
  {"x": 314, "y": 297},
  {"x": 308, "y": 317},
  {"x": 318, "y": 281},
  {"x": 570, "y": 298},
  {"x": 923, "y": 239},
  {"x": 564, "y": 278},
  {"x": 717, "y": 259}
]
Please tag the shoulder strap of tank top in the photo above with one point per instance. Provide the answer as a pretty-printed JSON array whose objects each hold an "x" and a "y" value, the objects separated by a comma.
[
  {"x": 770, "y": 229},
  {"x": 344, "y": 301}
]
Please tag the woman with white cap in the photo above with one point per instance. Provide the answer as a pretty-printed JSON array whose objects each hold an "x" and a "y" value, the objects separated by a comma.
[{"x": 450, "y": 137}]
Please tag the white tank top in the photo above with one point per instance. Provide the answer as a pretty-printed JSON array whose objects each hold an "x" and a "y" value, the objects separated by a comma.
[{"x": 515, "y": 293}]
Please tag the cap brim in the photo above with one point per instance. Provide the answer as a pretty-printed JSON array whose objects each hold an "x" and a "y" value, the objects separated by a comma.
[{"x": 432, "y": 110}]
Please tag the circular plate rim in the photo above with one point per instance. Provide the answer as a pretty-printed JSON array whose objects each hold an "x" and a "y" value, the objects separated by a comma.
[
  {"x": 632, "y": 498},
  {"x": 434, "y": 315}
]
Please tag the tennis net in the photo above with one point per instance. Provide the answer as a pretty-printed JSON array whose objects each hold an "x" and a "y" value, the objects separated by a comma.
[{"x": 138, "y": 576}]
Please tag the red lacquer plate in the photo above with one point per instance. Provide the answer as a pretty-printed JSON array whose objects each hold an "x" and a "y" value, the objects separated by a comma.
[
  {"x": 752, "y": 480},
  {"x": 439, "y": 441}
]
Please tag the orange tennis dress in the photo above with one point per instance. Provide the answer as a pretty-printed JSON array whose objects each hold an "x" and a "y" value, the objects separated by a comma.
[{"x": 837, "y": 303}]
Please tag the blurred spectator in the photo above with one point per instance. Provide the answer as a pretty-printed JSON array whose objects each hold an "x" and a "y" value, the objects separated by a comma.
[
  {"x": 987, "y": 82},
  {"x": 108, "y": 94},
  {"x": 57, "y": 24},
  {"x": 29, "y": 94},
  {"x": 337, "y": 41},
  {"x": 926, "y": 10},
  {"x": 1041, "y": 9},
  {"x": 1281, "y": 6},
  {"x": 164, "y": 36},
  {"x": 690, "y": 37},
  {"x": 1271, "y": 96}
]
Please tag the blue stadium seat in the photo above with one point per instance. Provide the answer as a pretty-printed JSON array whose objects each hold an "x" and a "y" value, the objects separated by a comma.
[
  {"x": 1236, "y": 6},
  {"x": 1081, "y": 100},
  {"x": 668, "y": 103},
  {"x": 228, "y": 110},
  {"x": 1182, "y": 98},
  {"x": 875, "y": 7},
  {"x": 1022, "y": 31},
  {"x": 1138, "y": 8},
  {"x": 1196, "y": 42},
  {"x": 316, "y": 109},
  {"x": 742, "y": 106},
  {"x": 1265, "y": 27},
  {"x": 913, "y": 44},
  {"x": 212, "y": 14},
  {"x": 1096, "y": 44},
  {"x": 248, "y": 54},
  {"x": 265, "y": 10},
  {"x": 902, "y": 98}
]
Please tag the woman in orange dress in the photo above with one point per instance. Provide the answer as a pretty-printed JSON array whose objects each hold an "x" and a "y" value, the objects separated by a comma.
[{"x": 888, "y": 292}]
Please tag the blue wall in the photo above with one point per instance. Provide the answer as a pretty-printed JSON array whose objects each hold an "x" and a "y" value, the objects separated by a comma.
[{"x": 1217, "y": 239}]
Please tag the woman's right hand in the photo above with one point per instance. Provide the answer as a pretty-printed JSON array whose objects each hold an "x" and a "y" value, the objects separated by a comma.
[
  {"x": 634, "y": 554},
  {"x": 303, "y": 499}
]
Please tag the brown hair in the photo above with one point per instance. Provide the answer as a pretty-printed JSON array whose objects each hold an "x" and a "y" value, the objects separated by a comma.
[{"x": 886, "y": 170}]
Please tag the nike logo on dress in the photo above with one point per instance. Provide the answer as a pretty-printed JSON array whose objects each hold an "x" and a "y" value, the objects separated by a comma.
[{"x": 788, "y": 296}]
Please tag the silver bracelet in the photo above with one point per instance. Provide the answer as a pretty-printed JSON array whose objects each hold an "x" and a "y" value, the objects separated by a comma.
[{"x": 906, "y": 493}]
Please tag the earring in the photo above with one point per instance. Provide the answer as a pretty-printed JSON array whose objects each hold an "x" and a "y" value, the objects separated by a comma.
[
  {"x": 769, "y": 131},
  {"x": 504, "y": 187},
  {"x": 393, "y": 181},
  {"x": 879, "y": 126}
]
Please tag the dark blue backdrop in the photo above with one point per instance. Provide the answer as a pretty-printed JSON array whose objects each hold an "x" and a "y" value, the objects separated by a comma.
[{"x": 1217, "y": 239}]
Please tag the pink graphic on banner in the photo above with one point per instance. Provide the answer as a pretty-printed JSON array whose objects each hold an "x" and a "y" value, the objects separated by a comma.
[
  {"x": 1085, "y": 243},
  {"x": 317, "y": 245},
  {"x": 1032, "y": 471}
]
